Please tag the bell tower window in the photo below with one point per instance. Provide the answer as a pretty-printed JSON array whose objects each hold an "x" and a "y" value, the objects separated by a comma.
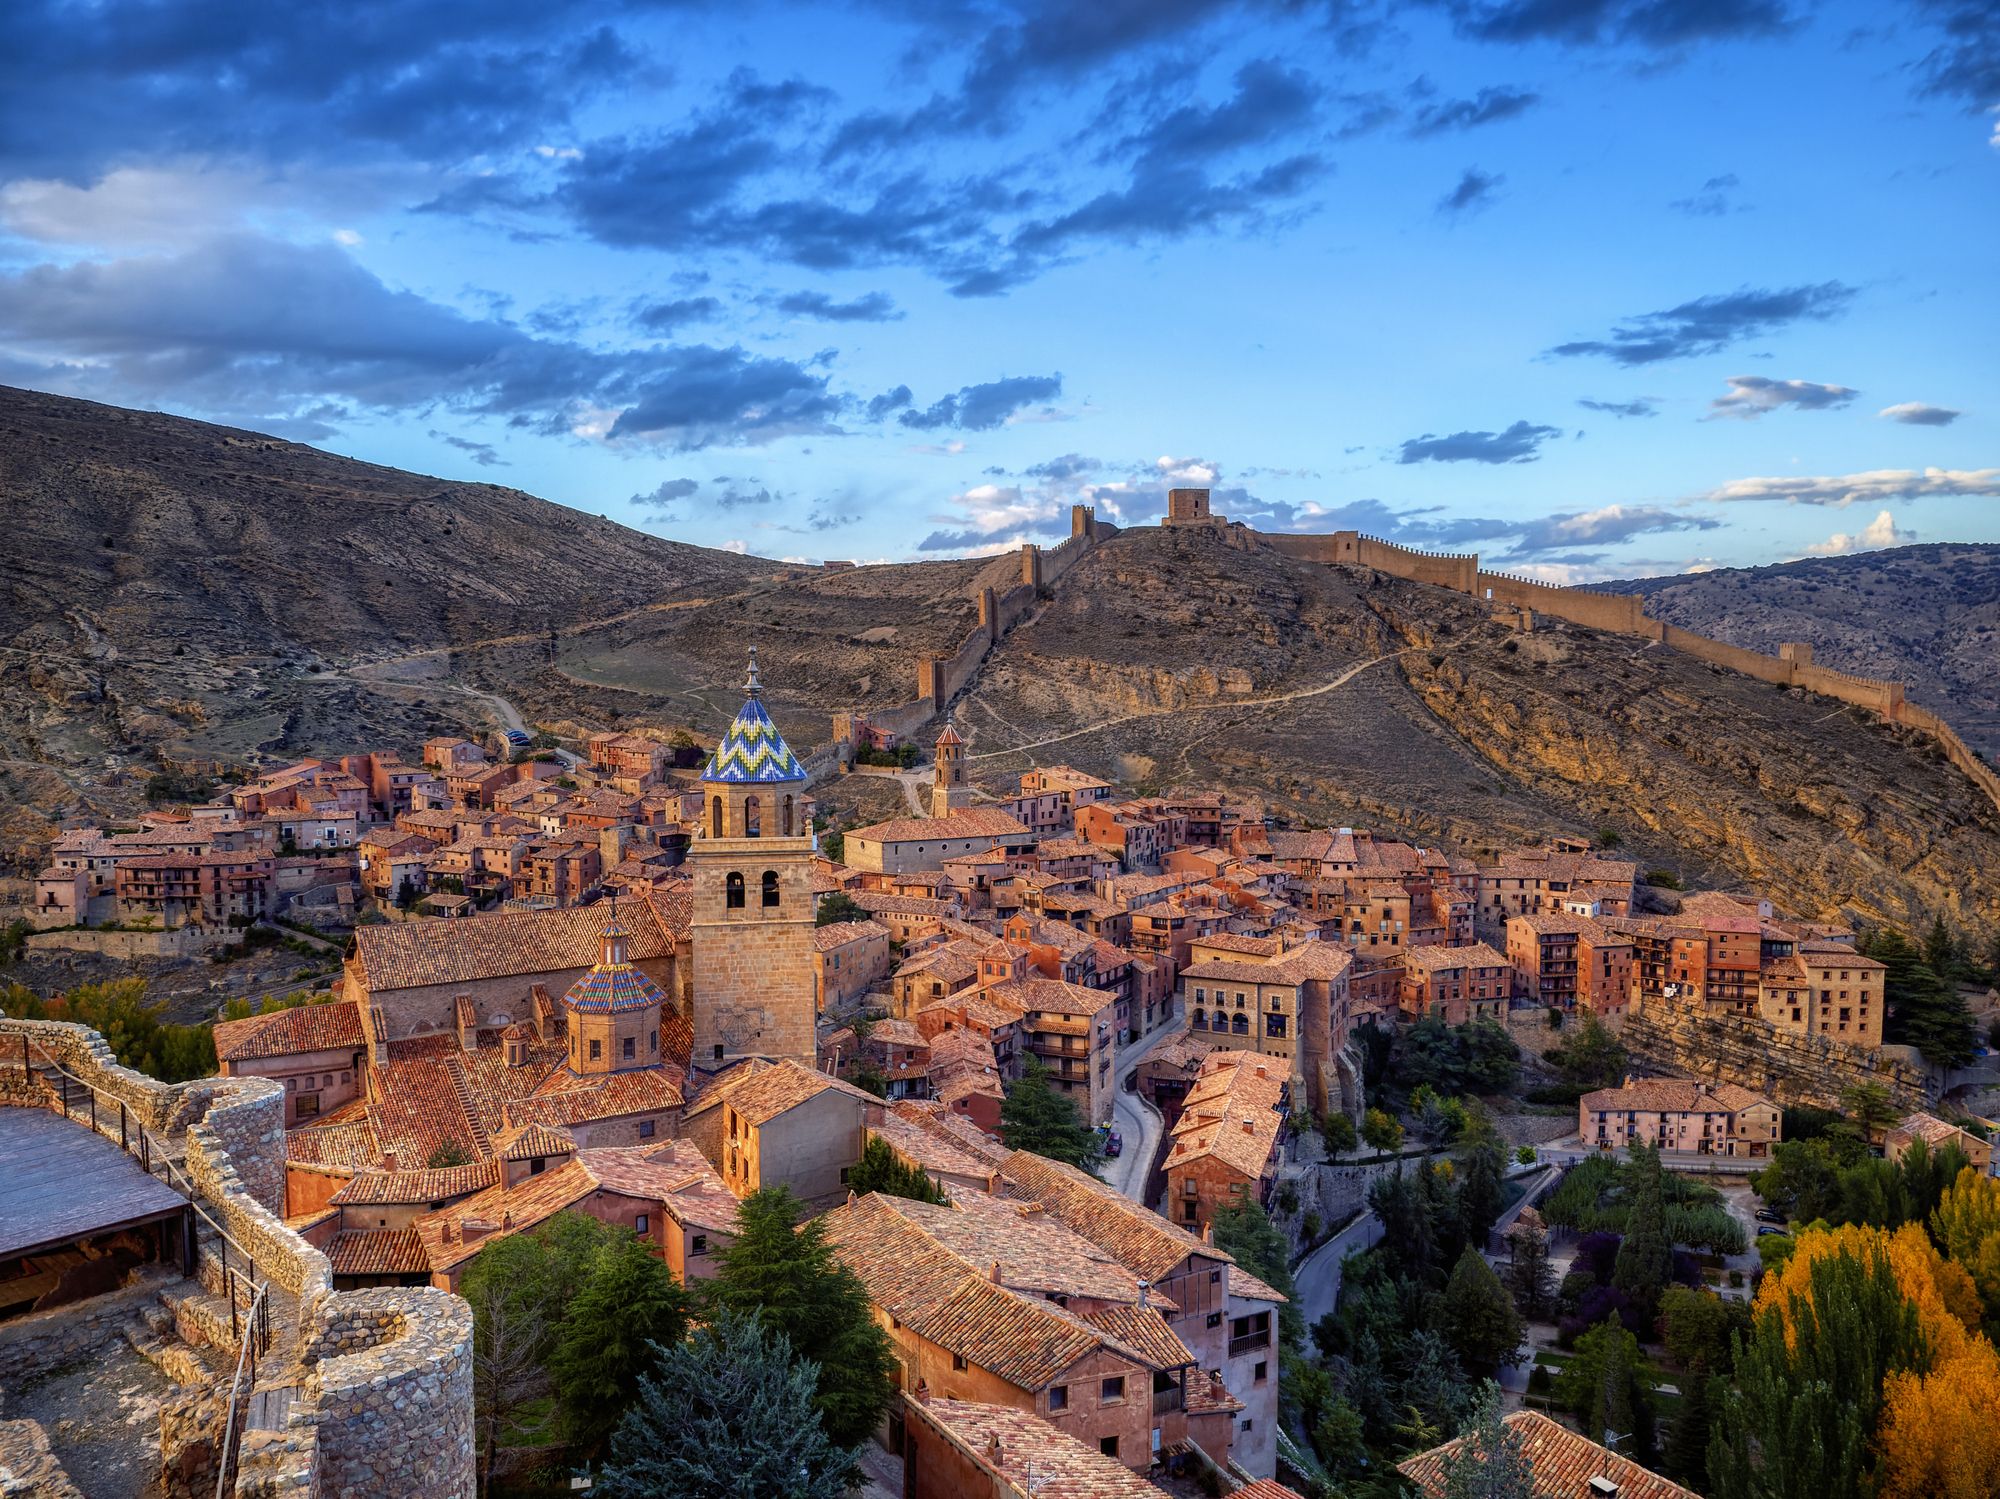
[
  {"x": 732, "y": 891},
  {"x": 715, "y": 817},
  {"x": 770, "y": 887},
  {"x": 753, "y": 818}
]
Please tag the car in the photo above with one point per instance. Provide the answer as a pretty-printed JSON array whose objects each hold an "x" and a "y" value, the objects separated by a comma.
[
  {"x": 1770, "y": 1215},
  {"x": 1114, "y": 1143},
  {"x": 1765, "y": 1228}
]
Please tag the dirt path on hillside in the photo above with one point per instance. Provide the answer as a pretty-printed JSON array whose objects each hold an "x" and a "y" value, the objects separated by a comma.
[{"x": 1229, "y": 704}]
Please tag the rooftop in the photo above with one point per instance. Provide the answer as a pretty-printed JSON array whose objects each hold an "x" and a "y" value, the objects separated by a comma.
[
  {"x": 63, "y": 1181},
  {"x": 1563, "y": 1463}
]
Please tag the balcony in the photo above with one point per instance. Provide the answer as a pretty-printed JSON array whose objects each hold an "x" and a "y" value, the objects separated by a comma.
[{"x": 1250, "y": 1342}]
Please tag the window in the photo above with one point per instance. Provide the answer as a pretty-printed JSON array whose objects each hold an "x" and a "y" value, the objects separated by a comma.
[
  {"x": 631, "y": 1048},
  {"x": 596, "y": 1049},
  {"x": 699, "y": 1244},
  {"x": 1114, "y": 1389},
  {"x": 641, "y": 1223},
  {"x": 1058, "y": 1397},
  {"x": 1215, "y": 1319},
  {"x": 843, "y": 1174},
  {"x": 715, "y": 817},
  {"x": 646, "y": 1129},
  {"x": 753, "y": 818},
  {"x": 307, "y": 1105},
  {"x": 653, "y": 1042},
  {"x": 1260, "y": 1373},
  {"x": 770, "y": 888},
  {"x": 958, "y": 1361},
  {"x": 732, "y": 891}
]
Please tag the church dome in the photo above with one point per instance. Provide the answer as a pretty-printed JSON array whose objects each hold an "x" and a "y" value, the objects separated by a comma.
[
  {"x": 753, "y": 751},
  {"x": 614, "y": 986}
]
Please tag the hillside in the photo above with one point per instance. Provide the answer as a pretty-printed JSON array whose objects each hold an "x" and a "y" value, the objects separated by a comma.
[
  {"x": 190, "y": 590},
  {"x": 1927, "y": 616}
]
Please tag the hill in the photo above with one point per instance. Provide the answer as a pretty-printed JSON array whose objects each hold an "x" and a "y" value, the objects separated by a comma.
[
  {"x": 1927, "y": 616},
  {"x": 186, "y": 589}
]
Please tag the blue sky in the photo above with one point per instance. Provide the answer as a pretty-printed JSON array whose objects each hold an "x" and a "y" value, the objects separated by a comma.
[{"x": 1593, "y": 287}]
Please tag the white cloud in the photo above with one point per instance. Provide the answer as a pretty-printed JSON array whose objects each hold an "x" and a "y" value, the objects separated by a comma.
[
  {"x": 939, "y": 449},
  {"x": 348, "y": 237},
  {"x": 1186, "y": 471},
  {"x": 1872, "y": 486},
  {"x": 1880, "y": 532},
  {"x": 559, "y": 153},
  {"x": 1917, "y": 414},
  {"x": 737, "y": 545},
  {"x": 128, "y": 207},
  {"x": 1753, "y": 395}
]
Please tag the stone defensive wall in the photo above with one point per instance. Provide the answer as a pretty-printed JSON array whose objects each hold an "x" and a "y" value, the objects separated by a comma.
[
  {"x": 1007, "y": 592},
  {"x": 1625, "y": 614},
  {"x": 380, "y": 1380}
]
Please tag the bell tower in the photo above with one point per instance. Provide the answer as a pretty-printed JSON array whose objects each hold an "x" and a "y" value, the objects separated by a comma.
[
  {"x": 752, "y": 922},
  {"x": 949, "y": 793}
]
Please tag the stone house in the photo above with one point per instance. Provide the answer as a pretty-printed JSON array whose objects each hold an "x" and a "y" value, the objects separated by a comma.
[
  {"x": 850, "y": 958},
  {"x": 1224, "y": 1150},
  {"x": 1073, "y": 1031},
  {"x": 903, "y": 844},
  {"x": 970, "y": 1450},
  {"x": 1563, "y": 1464},
  {"x": 1679, "y": 1114},
  {"x": 211, "y": 889},
  {"x": 1292, "y": 1004},
  {"x": 1456, "y": 984},
  {"x": 1936, "y": 1134},
  {"x": 317, "y": 1053},
  {"x": 1530, "y": 881},
  {"x": 782, "y": 1124}
]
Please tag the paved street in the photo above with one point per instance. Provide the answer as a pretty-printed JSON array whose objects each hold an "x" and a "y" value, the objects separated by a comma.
[
  {"x": 1318, "y": 1274},
  {"x": 1137, "y": 1122}
]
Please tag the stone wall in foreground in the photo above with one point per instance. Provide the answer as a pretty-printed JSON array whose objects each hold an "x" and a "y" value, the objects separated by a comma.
[{"x": 382, "y": 1378}]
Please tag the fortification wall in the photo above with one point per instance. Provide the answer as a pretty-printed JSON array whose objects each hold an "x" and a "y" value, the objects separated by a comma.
[
  {"x": 401, "y": 1405},
  {"x": 1885, "y": 698},
  {"x": 1735, "y": 657},
  {"x": 1754, "y": 1054},
  {"x": 1445, "y": 570},
  {"x": 1340, "y": 546},
  {"x": 1623, "y": 613},
  {"x": 1057, "y": 561},
  {"x": 1955, "y": 749}
]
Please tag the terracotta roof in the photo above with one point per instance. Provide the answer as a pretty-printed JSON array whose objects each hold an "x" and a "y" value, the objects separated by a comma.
[
  {"x": 969, "y": 822},
  {"x": 430, "y": 1185},
  {"x": 1051, "y": 996},
  {"x": 378, "y": 1251},
  {"x": 567, "y": 1100},
  {"x": 953, "y": 1128},
  {"x": 335, "y": 1026},
  {"x": 351, "y": 1143},
  {"x": 1443, "y": 959},
  {"x": 1139, "y": 1238},
  {"x": 1673, "y": 1095},
  {"x": 920, "y": 1147},
  {"x": 1562, "y": 1463},
  {"x": 1231, "y": 1114},
  {"x": 840, "y": 933},
  {"x": 1205, "y": 1392},
  {"x": 877, "y": 904},
  {"x": 1262, "y": 947},
  {"x": 537, "y": 1140},
  {"x": 1266, "y": 1488},
  {"x": 1023, "y": 1455},
  {"x": 423, "y": 954},
  {"x": 1144, "y": 1328},
  {"x": 785, "y": 1085}
]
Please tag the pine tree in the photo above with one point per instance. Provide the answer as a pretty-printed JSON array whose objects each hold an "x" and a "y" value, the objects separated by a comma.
[
  {"x": 1482, "y": 1190},
  {"x": 630, "y": 1306},
  {"x": 1493, "y": 1463},
  {"x": 1530, "y": 1276},
  {"x": 1645, "y": 1260},
  {"x": 1035, "y": 1117},
  {"x": 729, "y": 1414},
  {"x": 880, "y": 1169},
  {"x": 1685, "y": 1456},
  {"x": 816, "y": 1303},
  {"x": 1601, "y": 1385},
  {"x": 1925, "y": 1010},
  {"x": 1478, "y": 1317}
]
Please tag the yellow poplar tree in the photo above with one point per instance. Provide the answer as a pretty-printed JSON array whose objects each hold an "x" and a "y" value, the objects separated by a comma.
[{"x": 1967, "y": 1222}]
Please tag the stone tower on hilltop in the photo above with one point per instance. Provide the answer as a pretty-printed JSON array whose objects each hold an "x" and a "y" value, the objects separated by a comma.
[
  {"x": 949, "y": 793},
  {"x": 752, "y": 924}
]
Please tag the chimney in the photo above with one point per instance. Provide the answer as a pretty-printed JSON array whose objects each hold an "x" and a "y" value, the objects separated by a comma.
[
  {"x": 1145, "y": 1287},
  {"x": 994, "y": 1274},
  {"x": 1601, "y": 1487},
  {"x": 994, "y": 1451},
  {"x": 1208, "y": 1233},
  {"x": 1029, "y": 1209},
  {"x": 1249, "y": 1128}
]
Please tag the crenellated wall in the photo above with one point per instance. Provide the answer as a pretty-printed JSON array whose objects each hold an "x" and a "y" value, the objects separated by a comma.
[
  {"x": 1518, "y": 600},
  {"x": 384, "y": 1376}
]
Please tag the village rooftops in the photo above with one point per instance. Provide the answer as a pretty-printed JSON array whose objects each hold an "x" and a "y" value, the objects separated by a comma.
[
  {"x": 428, "y": 954},
  {"x": 335, "y": 1026},
  {"x": 1563, "y": 1464},
  {"x": 1672, "y": 1095},
  {"x": 1023, "y": 1455},
  {"x": 1231, "y": 1113},
  {"x": 1140, "y": 1239},
  {"x": 968, "y": 822},
  {"x": 840, "y": 933},
  {"x": 1444, "y": 959}
]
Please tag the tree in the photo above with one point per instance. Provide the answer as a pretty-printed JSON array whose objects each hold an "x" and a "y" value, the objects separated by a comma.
[
  {"x": 1340, "y": 1440},
  {"x": 838, "y": 907},
  {"x": 1339, "y": 1133},
  {"x": 1482, "y": 1191},
  {"x": 1592, "y": 1057},
  {"x": 1944, "y": 954},
  {"x": 1645, "y": 1260},
  {"x": 1530, "y": 1276},
  {"x": 1601, "y": 1384},
  {"x": 448, "y": 1153},
  {"x": 1247, "y": 1235},
  {"x": 406, "y": 894},
  {"x": 1966, "y": 1225},
  {"x": 1698, "y": 1327},
  {"x": 119, "y": 1011},
  {"x": 1925, "y": 1009},
  {"x": 729, "y": 1414},
  {"x": 1477, "y": 1316},
  {"x": 1382, "y": 1131},
  {"x": 880, "y": 1169},
  {"x": 1868, "y": 1103},
  {"x": 1492, "y": 1462},
  {"x": 511, "y": 1320},
  {"x": 1035, "y": 1117},
  {"x": 630, "y": 1305},
  {"x": 815, "y": 1303},
  {"x": 1685, "y": 1455}
]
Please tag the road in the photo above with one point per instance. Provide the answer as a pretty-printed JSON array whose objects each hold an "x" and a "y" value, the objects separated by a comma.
[
  {"x": 1317, "y": 1276},
  {"x": 1137, "y": 1122}
]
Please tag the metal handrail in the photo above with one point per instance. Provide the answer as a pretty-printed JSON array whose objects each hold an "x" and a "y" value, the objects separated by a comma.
[
  {"x": 246, "y": 1355},
  {"x": 151, "y": 1154}
]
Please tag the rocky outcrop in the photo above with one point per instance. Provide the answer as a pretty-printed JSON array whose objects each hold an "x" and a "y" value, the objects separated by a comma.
[{"x": 1756, "y": 1055}]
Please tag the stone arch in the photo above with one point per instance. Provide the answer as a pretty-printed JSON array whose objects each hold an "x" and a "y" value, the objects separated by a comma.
[
  {"x": 770, "y": 888},
  {"x": 732, "y": 890},
  {"x": 753, "y": 817}
]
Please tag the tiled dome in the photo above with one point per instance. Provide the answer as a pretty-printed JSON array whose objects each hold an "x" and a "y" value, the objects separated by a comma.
[
  {"x": 611, "y": 988},
  {"x": 753, "y": 750}
]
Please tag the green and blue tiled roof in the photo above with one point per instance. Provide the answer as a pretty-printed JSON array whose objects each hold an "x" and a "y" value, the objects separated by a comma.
[
  {"x": 753, "y": 750},
  {"x": 613, "y": 988}
]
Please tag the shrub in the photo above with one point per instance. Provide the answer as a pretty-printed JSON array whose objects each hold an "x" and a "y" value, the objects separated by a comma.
[{"x": 1595, "y": 1255}]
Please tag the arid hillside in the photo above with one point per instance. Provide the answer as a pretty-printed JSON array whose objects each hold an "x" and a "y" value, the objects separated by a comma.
[
  {"x": 1927, "y": 616},
  {"x": 181, "y": 590}
]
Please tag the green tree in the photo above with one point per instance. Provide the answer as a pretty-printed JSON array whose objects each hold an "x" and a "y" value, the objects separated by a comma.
[
  {"x": 1482, "y": 1190},
  {"x": 1868, "y": 1103},
  {"x": 1477, "y": 1316},
  {"x": 448, "y": 1153},
  {"x": 1382, "y": 1130},
  {"x": 839, "y": 906},
  {"x": 1339, "y": 1133},
  {"x": 1247, "y": 1235},
  {"x": 406, "y": 894},
  {"x": 1798, "y": 1419},
  {"x": 1035, "y": 1117},
  {"x": 1925, "y": 1009},
  {"x": 1602, "y": 1385},
  {"x": 1944, "y": 954},
  {"x": 1698, "y": 1328},
  {"x": 1685, "y": 1453},
  {"x": 1592, "y": 1057},
  {"x": 1340, "y": 1440},
  {"x": 880, "y": 1169},
  {"x": 513, "y": 1316},
  {"x": 815, "y": 1303},
  {"x": 729, "y": 1414},
  {"x": 630, "y": 1305},
  {"x": 1530, "y": 1276},
  {"x": 1645, "y": 1260},
  {"x": 1493, "y": 1462}
]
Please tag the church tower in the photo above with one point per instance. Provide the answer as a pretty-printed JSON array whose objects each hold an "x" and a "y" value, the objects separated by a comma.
[
  {"x": 949, "y": 793},
  {"x": 752, "y": 923}
]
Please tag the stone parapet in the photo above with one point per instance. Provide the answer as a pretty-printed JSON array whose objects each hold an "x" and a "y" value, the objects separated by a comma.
[
  {"x": 393, "y": 1391},
  {"x": 28, "y": 1468}
]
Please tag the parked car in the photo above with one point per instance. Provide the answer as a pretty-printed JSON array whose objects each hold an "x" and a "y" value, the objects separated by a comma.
[
  {"x": 1770, "y": 1215},
  {"x": 1114, "y": 1143},
  {"x": 1765, "y": 1228}
]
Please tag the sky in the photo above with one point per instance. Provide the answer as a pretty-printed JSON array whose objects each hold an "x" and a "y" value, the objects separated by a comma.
[{"x": 1594, "y": 288}]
